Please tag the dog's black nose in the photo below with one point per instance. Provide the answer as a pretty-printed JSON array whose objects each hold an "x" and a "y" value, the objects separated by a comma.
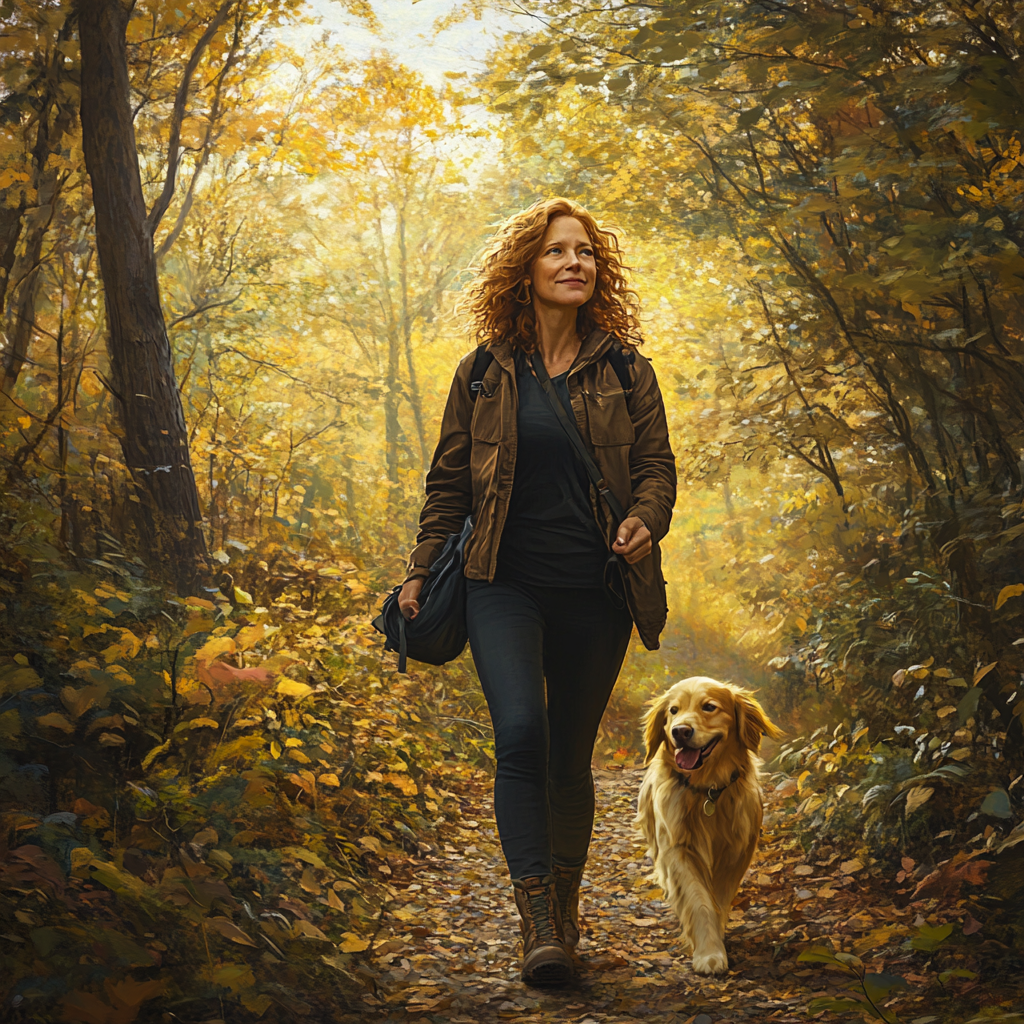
[{"x": 681, "y": 734}]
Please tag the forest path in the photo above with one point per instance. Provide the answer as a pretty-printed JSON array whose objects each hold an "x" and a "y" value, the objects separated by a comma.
[{"x": 449, "y": 943}]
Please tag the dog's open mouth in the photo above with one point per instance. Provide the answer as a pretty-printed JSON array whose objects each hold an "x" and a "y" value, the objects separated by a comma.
[{"x": 691, "y": 758}]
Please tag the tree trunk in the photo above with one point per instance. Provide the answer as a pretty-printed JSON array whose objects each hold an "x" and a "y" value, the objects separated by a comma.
[
  {"x": 22, "y": 317},
  {"x": 392, "y": 426},
  {"x": 413, "y": 395},
  {"x": 154, "y": 439},
  {"x": 10, "y": 233},
  {"x": 54, "y": 120}
]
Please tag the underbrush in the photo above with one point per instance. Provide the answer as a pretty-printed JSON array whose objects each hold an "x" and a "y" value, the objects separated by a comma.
[
  {"x": 897, "y": 672},
  {"x": 931, "y": 802},
  {"x": 207, "y": 799}
]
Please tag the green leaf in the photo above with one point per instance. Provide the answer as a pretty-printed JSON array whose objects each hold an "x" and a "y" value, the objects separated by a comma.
[
  {"x": 968, "y": 704},
  {"x": 821, "y": 955},
  {"x": 957, "y": 972},
  {"x": 750, "y": 117},
  {"x": 929, "y": 938},
  {"x": 878, "y": 986},
  {"x": 997, "y": 804},
  {"x": 838, "y": 1005},
  {"x": 818, "y": 955},
  {"x": 709, "y": 71}
]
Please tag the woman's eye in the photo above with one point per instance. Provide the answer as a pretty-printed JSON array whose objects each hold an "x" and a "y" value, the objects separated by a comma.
[{"x": 710, "y": 707}]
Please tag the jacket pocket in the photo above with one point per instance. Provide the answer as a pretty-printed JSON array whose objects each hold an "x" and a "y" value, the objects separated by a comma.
[
  {"x": 486, "y": 423},
  {"x": 608, "y": 418}
]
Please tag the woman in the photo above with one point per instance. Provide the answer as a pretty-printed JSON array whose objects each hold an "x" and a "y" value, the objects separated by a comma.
[{"x": 550, "y": 302}]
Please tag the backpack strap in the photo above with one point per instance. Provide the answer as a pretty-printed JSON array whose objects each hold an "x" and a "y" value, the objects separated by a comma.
[
  {"x": 622, "y": 359},
  {"x": 481, "y": 361}
]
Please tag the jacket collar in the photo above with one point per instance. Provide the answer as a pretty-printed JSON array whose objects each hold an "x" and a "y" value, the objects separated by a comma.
[
  {"x": 594, "y": 346},
  {"x": 503, "y": 353}
]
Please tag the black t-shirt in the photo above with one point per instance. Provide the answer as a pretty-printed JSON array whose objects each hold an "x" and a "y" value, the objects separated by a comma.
[{"x": 550, "y": 538}]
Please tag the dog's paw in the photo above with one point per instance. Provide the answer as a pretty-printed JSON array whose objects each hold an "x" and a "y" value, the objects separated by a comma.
[{"x": 715, "y": 962}]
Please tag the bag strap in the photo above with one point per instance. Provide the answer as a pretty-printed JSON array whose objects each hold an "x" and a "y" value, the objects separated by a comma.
[
  {"x": 481, "y": 361},
  {"x": 403, "y": 643},
  {"x": 573, "y": 433},
  {"x": 621, "y": 359}
]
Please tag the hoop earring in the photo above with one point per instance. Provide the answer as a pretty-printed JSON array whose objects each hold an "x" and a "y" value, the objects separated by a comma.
[{"x": 525, "y": 283}]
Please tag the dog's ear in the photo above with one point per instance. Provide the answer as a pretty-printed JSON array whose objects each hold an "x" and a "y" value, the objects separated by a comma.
[
  {"x": 654, "y": 727},
  {"x": 751, "y": 721}
]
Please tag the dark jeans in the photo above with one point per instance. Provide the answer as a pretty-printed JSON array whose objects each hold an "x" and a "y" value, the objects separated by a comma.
[{"x": 575, "y": 639}]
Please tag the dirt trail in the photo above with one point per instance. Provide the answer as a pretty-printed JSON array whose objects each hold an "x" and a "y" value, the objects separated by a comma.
[{"x": 448, "y": 948}]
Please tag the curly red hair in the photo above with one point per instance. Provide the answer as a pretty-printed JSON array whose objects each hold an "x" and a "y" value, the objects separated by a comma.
[{"x": 495, "y": 306}]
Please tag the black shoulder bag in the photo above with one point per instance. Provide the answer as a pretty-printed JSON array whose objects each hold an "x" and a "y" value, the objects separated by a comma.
[
  {"x": 614, "y": 569},
  {"x": 438, "y": 634}
]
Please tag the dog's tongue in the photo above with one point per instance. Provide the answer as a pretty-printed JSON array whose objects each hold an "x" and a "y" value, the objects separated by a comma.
[{"x": 687, "y": 758}]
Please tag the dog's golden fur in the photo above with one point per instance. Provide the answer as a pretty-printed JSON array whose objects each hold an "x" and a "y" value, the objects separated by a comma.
[{"x": 700, "y": 859}]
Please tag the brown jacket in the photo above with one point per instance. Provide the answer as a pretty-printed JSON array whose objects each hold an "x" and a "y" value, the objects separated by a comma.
[{"x": 474, "y": 463}]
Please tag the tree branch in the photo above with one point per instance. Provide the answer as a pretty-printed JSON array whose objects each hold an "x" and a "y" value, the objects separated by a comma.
[
  {"x": 178, "y": 115},
  {"x": 206, "y": 148}
]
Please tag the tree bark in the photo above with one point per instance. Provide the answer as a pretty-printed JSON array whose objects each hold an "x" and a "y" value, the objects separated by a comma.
[
  {"x": 10, "y": 233},
  {"x": 54, "y": 120},
  {"x": 392, "y": 427},
  {"x": 154, "y": 439},
  {"x": 413, "y": 395}
]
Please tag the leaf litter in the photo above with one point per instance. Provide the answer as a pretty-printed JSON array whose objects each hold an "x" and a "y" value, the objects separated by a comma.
[{"x": 449, "y": 948}]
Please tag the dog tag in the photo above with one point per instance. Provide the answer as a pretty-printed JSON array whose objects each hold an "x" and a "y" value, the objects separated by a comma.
[{"x": 709, "y": 807}]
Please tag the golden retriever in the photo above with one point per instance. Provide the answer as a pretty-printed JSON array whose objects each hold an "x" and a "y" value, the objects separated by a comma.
[{"x": 700, "y": 804}]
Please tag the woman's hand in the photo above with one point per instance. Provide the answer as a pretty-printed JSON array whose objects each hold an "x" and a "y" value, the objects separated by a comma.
[
  {"x": 409, "y": 598},
  {"x": 633, "y": 541}
]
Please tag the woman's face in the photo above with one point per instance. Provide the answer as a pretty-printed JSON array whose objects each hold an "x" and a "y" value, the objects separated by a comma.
[{"x": 564, "y": 273}]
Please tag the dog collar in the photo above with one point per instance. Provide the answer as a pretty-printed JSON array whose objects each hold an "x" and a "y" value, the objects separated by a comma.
[{"x": 713, "y": 792}]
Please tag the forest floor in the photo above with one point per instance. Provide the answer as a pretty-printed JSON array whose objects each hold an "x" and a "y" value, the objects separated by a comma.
[{"x": 448, "y": 948}]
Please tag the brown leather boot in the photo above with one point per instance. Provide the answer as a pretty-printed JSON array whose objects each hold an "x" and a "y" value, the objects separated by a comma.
[
  {"x": 567, "y": 886},
  {"x": 546, "y": 961}
]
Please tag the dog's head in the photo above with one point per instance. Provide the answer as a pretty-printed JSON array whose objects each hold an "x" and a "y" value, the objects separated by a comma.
[{"x": 706, "y": 722}]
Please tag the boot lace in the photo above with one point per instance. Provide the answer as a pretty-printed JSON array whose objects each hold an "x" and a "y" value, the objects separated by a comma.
[{"x": 543, "y": 915}]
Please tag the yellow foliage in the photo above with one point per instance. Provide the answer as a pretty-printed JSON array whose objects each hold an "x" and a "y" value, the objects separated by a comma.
[
  {"x": 401, "y": 782},
  {"x": 238, "y": 749},
  {"x": 215, "y": 647},
  {"x": 291, "y": 688}
]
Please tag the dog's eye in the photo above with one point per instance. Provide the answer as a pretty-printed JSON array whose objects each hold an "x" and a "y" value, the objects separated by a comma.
[
  {"x": 710, "y": 707},
  {"x": 672, "y": 711}
]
